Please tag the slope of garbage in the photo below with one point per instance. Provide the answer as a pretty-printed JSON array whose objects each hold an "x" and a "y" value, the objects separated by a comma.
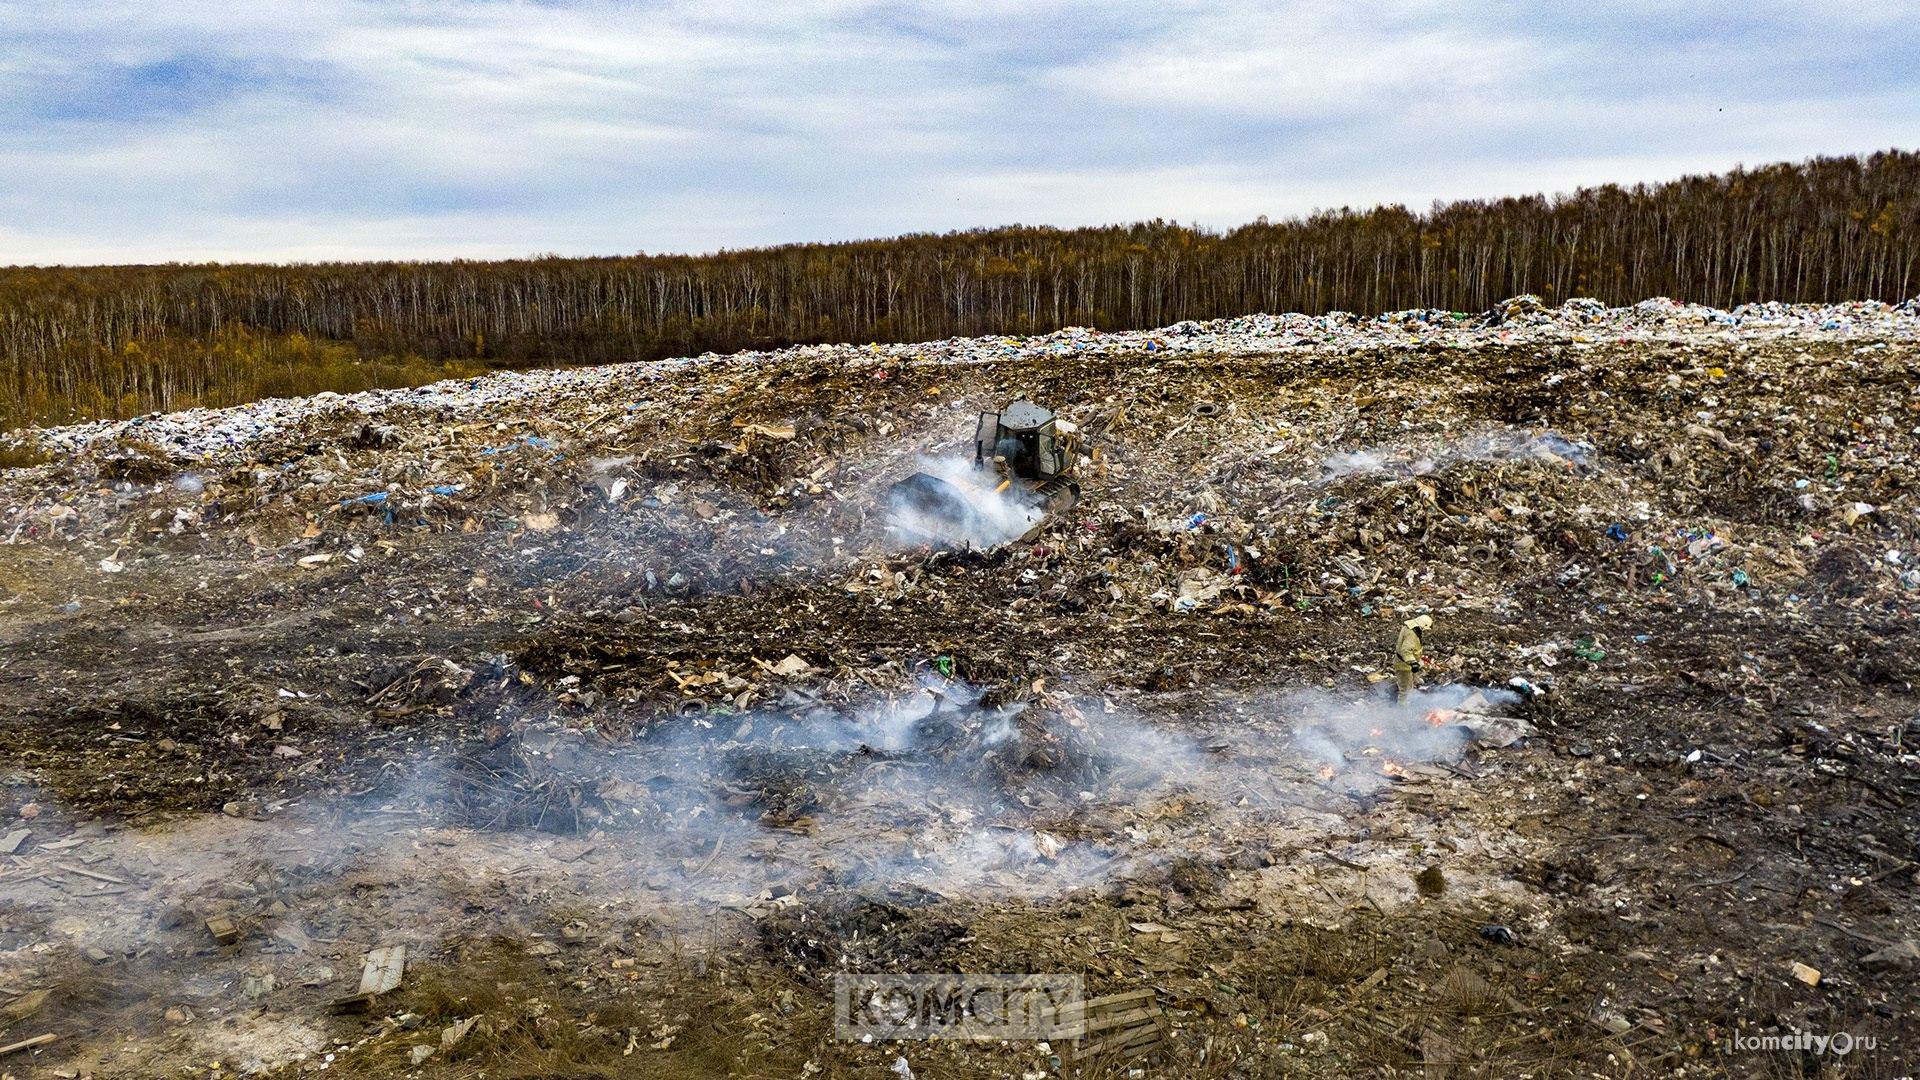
[{"x": 588, "y": 722}]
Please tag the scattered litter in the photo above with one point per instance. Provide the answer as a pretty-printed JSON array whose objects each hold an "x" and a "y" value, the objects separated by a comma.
[
  {"x": 451, "y": 1035},
  {"x": 1900, "y": 956}
]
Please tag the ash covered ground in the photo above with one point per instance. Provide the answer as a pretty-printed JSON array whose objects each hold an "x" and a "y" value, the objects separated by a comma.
[{"x": 607, "y": 694}]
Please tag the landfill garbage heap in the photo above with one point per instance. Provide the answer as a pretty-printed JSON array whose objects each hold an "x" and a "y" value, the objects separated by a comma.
[{"x": 1414, "y": 694}]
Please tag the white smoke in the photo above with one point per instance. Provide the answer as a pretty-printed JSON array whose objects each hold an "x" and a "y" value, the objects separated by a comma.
[
  {"x": 1363, "y": 739},
  {"x": 991, "y": 514},
  {"x": 1498, "y": 445}
]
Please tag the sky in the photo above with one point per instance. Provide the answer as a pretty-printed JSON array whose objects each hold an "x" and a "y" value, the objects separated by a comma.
[{"x": 298, "y": 130}]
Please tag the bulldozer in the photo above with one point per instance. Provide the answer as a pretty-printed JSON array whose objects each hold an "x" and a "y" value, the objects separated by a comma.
[{"x": 1024, "y": 464}]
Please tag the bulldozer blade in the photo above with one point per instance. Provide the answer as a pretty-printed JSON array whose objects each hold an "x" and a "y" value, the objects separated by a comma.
[
  {"x": 1055, "y": 496},
  {"x": 926, "y": 509}
]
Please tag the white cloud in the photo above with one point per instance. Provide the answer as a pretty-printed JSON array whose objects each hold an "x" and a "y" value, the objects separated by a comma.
[
  {"x": 1306, "y": 62},
  {"x": 366, "y": 128}
]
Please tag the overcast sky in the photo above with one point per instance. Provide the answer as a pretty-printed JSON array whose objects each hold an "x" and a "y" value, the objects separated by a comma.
[{"x": 154, "y": 130}]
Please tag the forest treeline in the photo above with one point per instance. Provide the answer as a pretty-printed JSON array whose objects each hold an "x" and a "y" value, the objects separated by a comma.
[{"x": 95, "y": 341}]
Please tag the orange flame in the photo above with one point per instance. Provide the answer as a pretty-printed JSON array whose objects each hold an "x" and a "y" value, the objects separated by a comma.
[
  {"x": 1392, "y": 768},
  {"x": 1440, "y": 717},
  {"x": 1328, "y": 772}
]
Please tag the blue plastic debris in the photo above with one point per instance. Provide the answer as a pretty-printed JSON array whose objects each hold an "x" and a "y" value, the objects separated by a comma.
[
  {"x": 535, "y": 441},
  {"x": 1617, "y": 532}
]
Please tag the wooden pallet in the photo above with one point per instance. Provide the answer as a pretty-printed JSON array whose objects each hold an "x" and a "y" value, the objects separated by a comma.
[{"x": 1118, "y": 1027}]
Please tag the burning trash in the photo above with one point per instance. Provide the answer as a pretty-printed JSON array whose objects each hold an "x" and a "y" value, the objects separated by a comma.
[
  {"x": 1475, "y": 716},
  {"x": 1428, "y": 726}
]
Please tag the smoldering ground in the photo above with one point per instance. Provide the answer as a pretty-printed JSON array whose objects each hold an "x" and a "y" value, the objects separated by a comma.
[
  {"x": 1366, "y": 736},
  {"x": 972, "y": 792},
  {"x": 958, "y": 789},
  {"x": 1413, "y": 458}
]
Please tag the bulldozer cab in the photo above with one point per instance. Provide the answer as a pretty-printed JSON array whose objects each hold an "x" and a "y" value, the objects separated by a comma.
[{"x": 1027, "y": 438}]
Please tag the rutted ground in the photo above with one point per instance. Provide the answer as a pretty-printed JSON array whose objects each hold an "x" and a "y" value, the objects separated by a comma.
[{"x": 604, "y": 694}]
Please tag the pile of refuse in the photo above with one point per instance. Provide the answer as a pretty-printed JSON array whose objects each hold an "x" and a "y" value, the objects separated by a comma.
[
  {"x": 719, "y": 473},
  {"x": 208, "y": 434}
]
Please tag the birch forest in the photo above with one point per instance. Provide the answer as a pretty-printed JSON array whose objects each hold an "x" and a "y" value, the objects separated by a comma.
[{"x": 85, "y": 342}]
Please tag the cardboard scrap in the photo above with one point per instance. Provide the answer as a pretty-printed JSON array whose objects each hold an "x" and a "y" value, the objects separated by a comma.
[{"x": 385, "y": 965}]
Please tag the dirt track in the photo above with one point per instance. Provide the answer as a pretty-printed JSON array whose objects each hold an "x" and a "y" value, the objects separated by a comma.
[{"x": 539, "y": 730}]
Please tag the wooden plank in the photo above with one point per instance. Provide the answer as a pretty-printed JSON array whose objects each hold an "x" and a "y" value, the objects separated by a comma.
[
  {"x": 94, "y": 874},
  {"x": 28, "y": 1044},
  {"x": 1120, "y": 998},
  {"x": 1075, "y": 1010},
  {"x": 1147, "y": 1037},
  {"x": 1125, "y": 1025},
  {"x": 1117, "y": 1043},
  {"x": 1124, "y": 1043},
  {"x": 1074, "y": 1029}
]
